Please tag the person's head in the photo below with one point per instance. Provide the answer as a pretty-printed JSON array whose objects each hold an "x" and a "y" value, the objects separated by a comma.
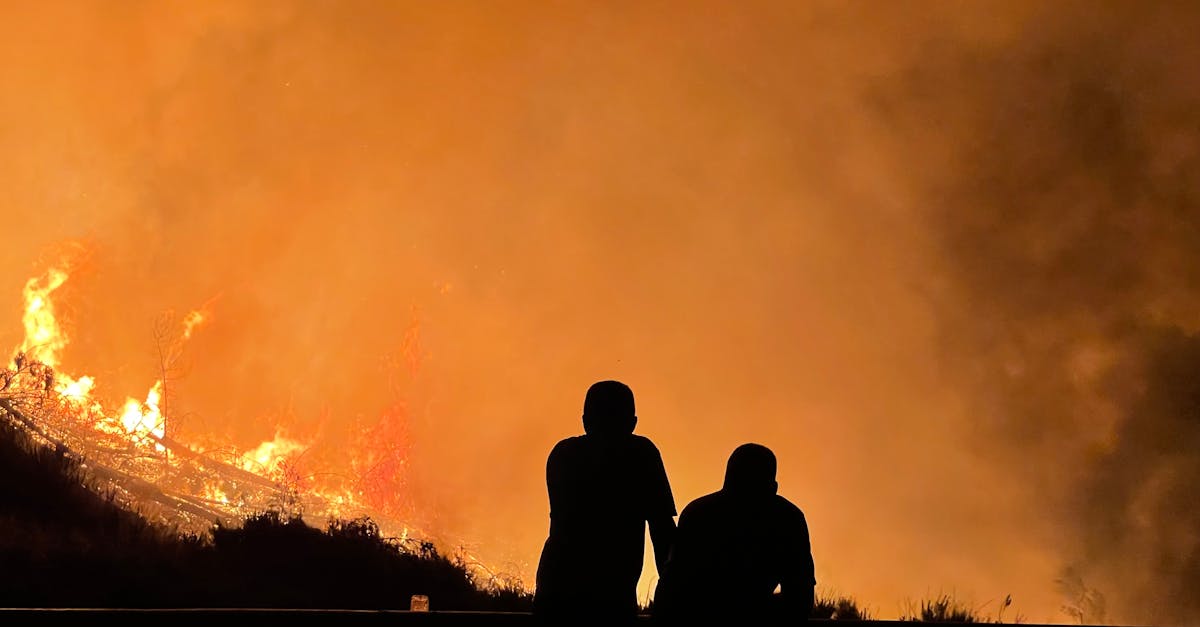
[
  {"x": 751, "y": 471},
  {"x": 608, "y": 409}
]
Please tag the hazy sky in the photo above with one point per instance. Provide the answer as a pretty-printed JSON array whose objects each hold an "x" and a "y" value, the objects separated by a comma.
[{"x": 933, "y": 254}]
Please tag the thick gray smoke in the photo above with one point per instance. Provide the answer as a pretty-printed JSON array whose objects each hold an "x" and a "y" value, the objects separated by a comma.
[{"x": 1069, "y": 230}]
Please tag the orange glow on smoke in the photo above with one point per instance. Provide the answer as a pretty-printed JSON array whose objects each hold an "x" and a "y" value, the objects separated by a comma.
[{"x": 753, "y": 213}]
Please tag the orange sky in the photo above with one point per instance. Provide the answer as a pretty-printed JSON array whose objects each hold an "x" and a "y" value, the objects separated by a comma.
[{"x": 721, "y": 205}]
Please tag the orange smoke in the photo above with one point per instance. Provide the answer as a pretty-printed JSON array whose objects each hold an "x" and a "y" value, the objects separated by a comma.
[{"x": 727, "y": 206}]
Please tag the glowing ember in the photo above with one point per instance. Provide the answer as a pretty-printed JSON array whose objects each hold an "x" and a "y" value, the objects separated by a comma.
[{"x": 190, "y": 322}]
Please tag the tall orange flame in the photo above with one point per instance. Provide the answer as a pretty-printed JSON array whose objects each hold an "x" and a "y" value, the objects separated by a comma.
[{"x": 44, "y": 339}]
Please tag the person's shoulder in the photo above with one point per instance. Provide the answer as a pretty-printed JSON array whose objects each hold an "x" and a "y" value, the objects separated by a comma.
[
  {"x": 786, "y": 508},
  {"x": 704, "y": 503},
  {"x": 643, "y": 445},
  {"x": 566, "y": 445}
]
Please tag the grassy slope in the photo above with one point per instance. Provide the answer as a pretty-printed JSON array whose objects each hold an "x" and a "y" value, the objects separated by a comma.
[{"x": 64, "y": 545}]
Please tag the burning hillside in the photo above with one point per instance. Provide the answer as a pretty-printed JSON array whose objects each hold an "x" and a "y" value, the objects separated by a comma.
[{"x": 129, "y": 447}]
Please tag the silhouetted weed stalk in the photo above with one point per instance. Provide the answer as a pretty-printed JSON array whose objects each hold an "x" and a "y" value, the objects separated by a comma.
[
  {"x": 944, "y": 608},
  {"x": 1084, "y": 604},
  {"x": 940, "y": 609},
  {"x": 831, "y": 606}
]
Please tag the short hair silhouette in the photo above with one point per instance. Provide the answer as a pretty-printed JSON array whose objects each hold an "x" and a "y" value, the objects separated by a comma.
[
  {"x": 609, "y": 408},
  {"x": 708, "y": 580},
  {"x": 751, "y": 470},
  {"x": 604, "y": 488}
]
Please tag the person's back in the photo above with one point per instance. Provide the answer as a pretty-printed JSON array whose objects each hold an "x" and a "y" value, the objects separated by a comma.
[
  {"x": 603, "y": 487},
  {"x": 734, "y": 546}
]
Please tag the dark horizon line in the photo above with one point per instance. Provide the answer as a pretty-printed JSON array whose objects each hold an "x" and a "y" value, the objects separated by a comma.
[{"x": 135, "y": 617}]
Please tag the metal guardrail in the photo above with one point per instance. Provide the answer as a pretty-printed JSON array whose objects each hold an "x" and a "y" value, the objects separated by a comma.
[
  {"x": 221, "y": 617},
  {"x": 238, "y": 617}
]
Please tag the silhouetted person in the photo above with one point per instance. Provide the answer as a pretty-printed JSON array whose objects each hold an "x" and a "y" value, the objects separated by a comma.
[
  {"x": 604, "y": 487},
  {"x": 733, "y": 547}
]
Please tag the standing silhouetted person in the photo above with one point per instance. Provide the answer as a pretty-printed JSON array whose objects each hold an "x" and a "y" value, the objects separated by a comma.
[
  {"x": 604, "y": 487},
  {"x": 732, "y": 549}
]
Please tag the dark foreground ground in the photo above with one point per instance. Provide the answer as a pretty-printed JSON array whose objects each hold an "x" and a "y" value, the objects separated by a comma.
[
  {"x": 64, "y": 544},
  {"x": 302, "y": 618}
]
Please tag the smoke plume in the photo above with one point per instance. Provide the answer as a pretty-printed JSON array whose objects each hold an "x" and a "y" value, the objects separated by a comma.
[
  {"x": 940, "y": 257},
  {"x": 1069, "y": 233}
]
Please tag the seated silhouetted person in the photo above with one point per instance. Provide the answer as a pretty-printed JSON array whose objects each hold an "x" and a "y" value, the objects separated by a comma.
[
  {"x": 733, "y": 547},
  {"x": 604, "y": 487}
]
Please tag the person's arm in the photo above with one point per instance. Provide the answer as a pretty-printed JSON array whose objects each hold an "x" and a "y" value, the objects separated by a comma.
[
  {"x": 660, "y": 510},
  {"x": 674, "y": 577},
  {"x": 556, "y": 483},
  {"x": 662, "y": 536},
  {"x": 799, "y": 582},
  {"x": 798, "y": 600}
]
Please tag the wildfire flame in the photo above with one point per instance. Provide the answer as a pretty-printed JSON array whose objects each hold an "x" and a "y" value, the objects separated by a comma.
[
  {"x": 145, "y": 419},
  {"x": 43, "y": 337},
  {"x": 269, "y": 457},
  {"x": 77, "y": 391},
  {"x": 131, "y": 445},
  {"x": 190, "y": 486}
]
